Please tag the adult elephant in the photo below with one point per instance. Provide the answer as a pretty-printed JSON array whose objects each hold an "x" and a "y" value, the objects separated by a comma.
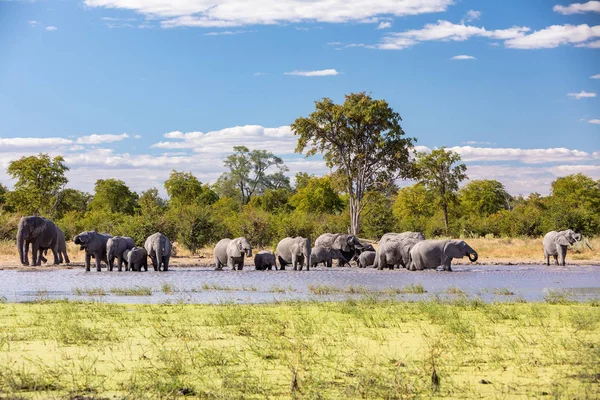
[
  {"x": 394, "y": 253},
  {"x": 435, "y": 253},
  {"x": 60, "y": 248},
  {"x": 135, "y": 259},
  {"x": 556, "y": 243},
  {"x": 115, "y": 247},
  {"x": 346, "y": 244},
  {"x": 231, "y": 252},
  {"x": 41, "y": 233},
  {"x": 94, "y": 244},
  {"x": 295, "y": 251},
  {"x": 158, "y": 247}
]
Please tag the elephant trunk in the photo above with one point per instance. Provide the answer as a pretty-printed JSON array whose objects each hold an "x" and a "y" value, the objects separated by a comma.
[
  {"x": 474, "y": 258},
  {"x": 248, "y": 252},
  {"x": 20, "y": 242}
]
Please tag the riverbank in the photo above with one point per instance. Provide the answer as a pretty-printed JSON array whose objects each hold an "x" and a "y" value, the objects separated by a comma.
[{"x": 352, "y": 349}]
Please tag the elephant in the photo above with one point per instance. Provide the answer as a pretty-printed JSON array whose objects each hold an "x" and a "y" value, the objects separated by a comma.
[
  {"x": 60, "y": 249},
  {"x": 434, "y": 253},
  {"x": 555, "y": 245},
  {"x": 135, "y": 259},
  {"x": 401, "y": 257},
  {"x": 326, "y": 255},
  {"x": 158, "y": 248},
  {"x": 346, "y": 244},
  {"x": 394, "y": 252},
  {"x": 94, "y": 244},
  {"x": 403, "y": 235},
  {"x": 295, "y": 251},
  {"x": 265, "y": 260},
  {"x": 41, "y": 233},
  {"x": 114, "y": 249},
  {"x": 366, "y": 259},
  {"x": 231, "y": 252}
]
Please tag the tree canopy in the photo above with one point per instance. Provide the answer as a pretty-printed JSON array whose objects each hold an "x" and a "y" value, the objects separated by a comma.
[
  {"x": 113, "y": 195},
  {"x": 363, "y": 139},
  {"x": 484, "y": 197},
  {"x": 184, "y": 188}
]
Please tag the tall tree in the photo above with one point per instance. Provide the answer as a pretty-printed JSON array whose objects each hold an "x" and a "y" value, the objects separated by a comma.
[
  {"x": 248, "y": 172},
  {"x": 438, "y": 173},
  {"x": 484, "y": 197},
  {"x": 39, "y": 181},
  {"x": 185, "y": 189},
  {"x": 316, "y": 195},
  {"x": 114, "y": 196},
  {"x": 361, "y": 137}
]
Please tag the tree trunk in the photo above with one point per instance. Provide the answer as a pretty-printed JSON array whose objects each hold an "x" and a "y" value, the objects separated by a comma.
[
  {"x": 354, "y": 218},
  {"x": 445, "y": 206}
]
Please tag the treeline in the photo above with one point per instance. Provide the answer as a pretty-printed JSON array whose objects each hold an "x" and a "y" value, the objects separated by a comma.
[{"x": 197, "y": 214}]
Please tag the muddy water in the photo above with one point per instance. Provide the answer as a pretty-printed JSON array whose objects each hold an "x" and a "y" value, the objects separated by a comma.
[{"x": 204, "y": 285}]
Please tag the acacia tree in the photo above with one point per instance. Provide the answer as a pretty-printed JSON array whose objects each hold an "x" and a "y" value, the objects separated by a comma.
[
  {"x": 39, "y": 182},
  {"x": 436, "y": 171},
  {"x": 248, "y": 172},
  {"x": 361, "y": 138}
]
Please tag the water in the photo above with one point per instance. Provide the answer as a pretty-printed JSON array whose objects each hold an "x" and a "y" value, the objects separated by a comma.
[{"x": 530, "y": 282}]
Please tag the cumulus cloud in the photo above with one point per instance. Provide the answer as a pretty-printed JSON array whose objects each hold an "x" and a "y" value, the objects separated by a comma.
[
  {"x": 384, "y": 25},
  {"x": 322, "y": 72},
  {"x": 578, "y": 8},
  {"x": 594, "y": 121},
  {"x": 51, "y": 28},
  {"x": 463, "y": 57},
  {"x": 229, "y": 13},
  {"x": 472, "y": 15},
  {"x": 597, "y": 76},
  {"x": 98, "y": 139},
  {"x": 582, "y": 95},
  {"x": 32, "y": 144},
  {"x": 554, "y": 36}
]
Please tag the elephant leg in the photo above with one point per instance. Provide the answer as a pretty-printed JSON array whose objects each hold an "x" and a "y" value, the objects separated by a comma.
[
  {"x": 119, "y": 263},
  {"x": 34, "y": 254},
  {"x": 563, "y": 256},
  {"x": 111, "y": 263},
  {"x": 281, "y": 264},
  {"x": 155, "y": 263},
  {"x": 230, "y": 264},
  {"x": 218, "y": 265},
  {"x": 25, "y": 260},
  {"x": 55, "y": 254},
  {"x": 165, "y": 263},
  {"x": 66, "y": 258},
  {"x": 145, "y": 264},
  {"x": 42, "y": 258},
  {"x": 555, "y": 259},
  {"x": 98, "y": 258},
  {"x": 87, "y": 261},
  {"x": 295, "y": 262}
]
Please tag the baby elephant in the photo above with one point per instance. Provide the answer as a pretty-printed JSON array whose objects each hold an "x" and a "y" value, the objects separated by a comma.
[
  {"x": 326, "y": 255},
  {"x": 136, "y": 259},
  {"x": 264, "y": 260},
  {"x": 366, "y": 259}
]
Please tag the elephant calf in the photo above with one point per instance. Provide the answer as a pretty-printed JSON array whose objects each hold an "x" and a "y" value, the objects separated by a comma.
[
  {"x": 158, "y": 248},
  {"x": 326, "y": 255},
  {"x": 264, "y": 260},
  {"x": 366, "y": 259},
  {"x": 435, "y": 253},
  {"x": 555, "y": 245},
  {"x": 231, "y": 252},
  {"x": 135, "y": 259}
]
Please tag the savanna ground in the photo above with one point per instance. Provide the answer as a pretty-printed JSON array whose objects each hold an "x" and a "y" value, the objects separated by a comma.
[
  {"x": 495, "y": 251},
  {"x": 370, "y": 348}
]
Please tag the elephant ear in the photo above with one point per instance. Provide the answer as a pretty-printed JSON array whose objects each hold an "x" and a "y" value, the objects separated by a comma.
[
  {"x": 452, "y": 249},
  {"x": 562, "y": 240}
]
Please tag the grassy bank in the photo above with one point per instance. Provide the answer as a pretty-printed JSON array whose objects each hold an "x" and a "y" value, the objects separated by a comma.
[{"x": 354, "y": 349}]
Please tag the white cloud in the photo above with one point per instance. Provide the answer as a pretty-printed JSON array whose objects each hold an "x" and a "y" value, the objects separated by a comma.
[
  {"x": 32, "y": 144},
  {"x": 590, "y": 45},
  {"x": 33, "y": 23},
  {"x": 51, "y": 28},
  {"x": 463, "y": 57},
  {"x": 472, "y": 142},
  {"x": 578, "y": 8},
  {"x": 137, "y": 137},
  {"x": 597, "y": 76},
  {"x": 229, "y": 13},
  {"x": 226, "y": 33},
  {"x": 581, "y": 95},
  {"x": 472, "y": 15},
  {"x": 384, "y": 25},
  {"x": 594, "y": 121},
  {"x": 554, "y": 36},
  {"x": 322, "y": 72},
  {"x": 98, "y": 139}
]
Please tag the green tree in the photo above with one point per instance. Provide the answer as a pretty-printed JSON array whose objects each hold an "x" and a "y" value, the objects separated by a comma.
[
  {"x": 484, "y": 197},
  {"x": 114, "y": 196},
  {"x": 3, "y": 192},
  {"x": 413, "y": 208},
  {"x": 39, "y": 181},
  {"x": 248, "y": 173},
  {"x": 150, "y": 203},
  {"x": 272, "y": 200},
  {"x": 72, "y": 200},
  {"x": 436, "y": 171},
  {"x": 363, "y": 139},
  {"x": 185, "y": 188},
  {"x": 378, "y": 215},
  {"x": 317, "y": 196}
]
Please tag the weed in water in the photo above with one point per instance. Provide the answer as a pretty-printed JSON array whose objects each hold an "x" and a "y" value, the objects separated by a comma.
[
  {"x": 167, "y": 288},
  {"x": 135, "y": 291},
  {"x": 89, "y": 292},
  {"x": 455, "y": 290},
  {"x": 503, "y": 292}
]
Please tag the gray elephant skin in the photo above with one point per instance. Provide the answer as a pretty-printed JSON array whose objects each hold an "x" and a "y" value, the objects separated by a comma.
[
  {"x": 435, "y": 253},
  {"x": 366, "y": 259},
  {"x": 94, "y": 244},
  {"x": 295, "y": 251},
  {"x": 556, "y": 243},
  {"x": 135, "y": 259},
  {"x": 346, "y": 244},
  {"x": 231, "y": 252},
  {"x": 115, "y": 247},
  {"x": 326, "y": 255},
  {"x": 41, "y": 233},
  {"x": 399, "y": 251},
  {"x": 158, "y": 247},
  {"x": 264, "y": 260},
  {"x": 60, "y": 248}
]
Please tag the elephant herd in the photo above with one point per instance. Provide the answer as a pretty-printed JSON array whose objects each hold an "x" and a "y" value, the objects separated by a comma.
[{"x": 409, "y": 250}]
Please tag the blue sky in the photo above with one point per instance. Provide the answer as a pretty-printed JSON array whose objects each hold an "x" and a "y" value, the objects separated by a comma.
[{"x": 135, "y": 88}]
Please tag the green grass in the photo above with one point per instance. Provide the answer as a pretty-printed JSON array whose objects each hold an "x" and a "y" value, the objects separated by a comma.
[
  {"x": 456, "y": 291},
  {"x": 134, "y": 291},
  {"x": 503, "y": 292},
  {"x": 408, "y": 289},
  {"x": 356, "y": 349},
  {"x": 89, "y": 292},
  {"x": 167, "y": 288}
]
